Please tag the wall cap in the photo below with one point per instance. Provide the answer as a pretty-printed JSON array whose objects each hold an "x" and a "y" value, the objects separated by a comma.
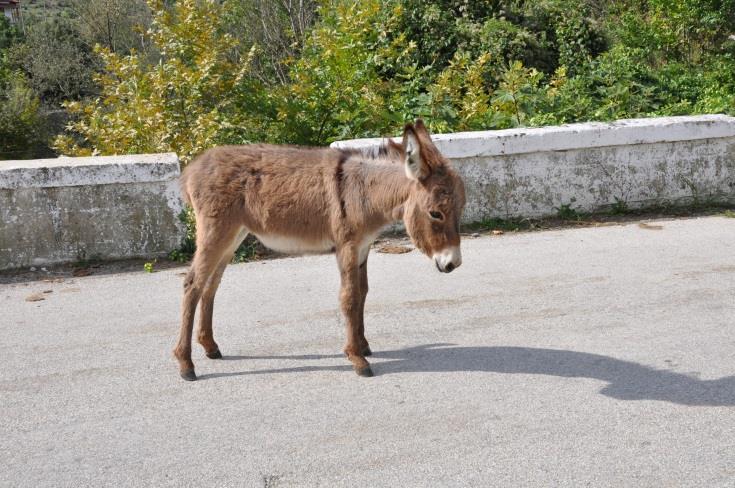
[
  {"x": 627, "y": 132},
  {"x": 94, "y": 170}
]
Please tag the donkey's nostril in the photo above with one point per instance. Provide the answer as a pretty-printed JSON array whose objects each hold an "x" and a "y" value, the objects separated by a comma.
[{"x": 449, "y": 268}]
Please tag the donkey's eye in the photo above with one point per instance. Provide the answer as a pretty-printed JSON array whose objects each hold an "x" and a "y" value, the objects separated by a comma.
[{"x": 436, "y": 215}]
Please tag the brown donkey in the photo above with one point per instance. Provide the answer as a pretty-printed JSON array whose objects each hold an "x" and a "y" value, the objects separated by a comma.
[{"x": 310, "y": 200}]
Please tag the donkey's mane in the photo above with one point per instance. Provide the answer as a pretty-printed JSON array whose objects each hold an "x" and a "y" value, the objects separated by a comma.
[{"x": 374, "y": 154}]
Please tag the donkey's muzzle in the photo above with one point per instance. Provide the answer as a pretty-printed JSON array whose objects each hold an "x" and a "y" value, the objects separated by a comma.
[{"x": 448, "y": 260}]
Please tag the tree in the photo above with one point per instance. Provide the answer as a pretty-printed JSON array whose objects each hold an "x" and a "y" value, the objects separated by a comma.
[
  {"x": 275, "y": 30},
  {"x": 116, "y": 25},
  {"x": 336, "y": 88},
  {"x": 181, "y": 104},
  {"x": 57, "y": 60},
  {"x": 22, "y": 126},
  {"x": 9, "y": 33},
  {"x": 233, "y": 71}
]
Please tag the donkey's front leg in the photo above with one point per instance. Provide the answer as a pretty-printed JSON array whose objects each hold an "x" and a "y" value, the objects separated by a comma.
[
  {"x": 351, "y": 301},
  {"x": 364, "y": 345}
]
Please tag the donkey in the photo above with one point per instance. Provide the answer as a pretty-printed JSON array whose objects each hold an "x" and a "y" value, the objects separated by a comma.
[{"x": 316, "y": 200}]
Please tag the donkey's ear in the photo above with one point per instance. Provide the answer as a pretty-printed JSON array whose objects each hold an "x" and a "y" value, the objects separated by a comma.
[
  {"x": 420, "y": 127},
  {"x": 422, "y": 134},
  {"x": 416, "y": 167}
]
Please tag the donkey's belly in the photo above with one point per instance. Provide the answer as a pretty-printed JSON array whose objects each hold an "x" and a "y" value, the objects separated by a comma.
[{"x": 295, "y": 245}]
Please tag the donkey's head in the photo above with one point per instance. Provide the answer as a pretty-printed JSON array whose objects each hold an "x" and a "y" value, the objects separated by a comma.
[{"x": 434, "y": 206}]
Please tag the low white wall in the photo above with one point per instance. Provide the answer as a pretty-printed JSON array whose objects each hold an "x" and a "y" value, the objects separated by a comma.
[
  {"x": 591, "y": 166},
  {"x": 70, "y": 209}
]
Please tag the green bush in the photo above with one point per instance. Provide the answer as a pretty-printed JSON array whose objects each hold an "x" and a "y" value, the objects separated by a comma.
[
  {"x": 22, "y": 124},
  {"x": 358, "y": 69},
  {"x": 181, "y": 104}
]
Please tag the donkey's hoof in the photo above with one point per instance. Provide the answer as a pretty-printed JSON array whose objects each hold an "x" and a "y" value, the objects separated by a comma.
[
  {"x": 189, "y": 375},
  {"x": 214, "y": 355},
  {"x": 367, "y": 351},
  {"x": 365, "y": 372}
]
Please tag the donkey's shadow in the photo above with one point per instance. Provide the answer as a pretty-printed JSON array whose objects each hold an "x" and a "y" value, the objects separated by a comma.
[{"x": 626, "y": 380}]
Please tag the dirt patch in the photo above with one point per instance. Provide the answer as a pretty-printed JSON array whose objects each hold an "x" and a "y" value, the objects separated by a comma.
[
  {"x": 393, "y": 249},
  {"x": 647, "y": 226}
]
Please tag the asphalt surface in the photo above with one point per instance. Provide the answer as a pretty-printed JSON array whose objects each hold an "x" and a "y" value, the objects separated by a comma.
[{"x": 588, "y": 357}]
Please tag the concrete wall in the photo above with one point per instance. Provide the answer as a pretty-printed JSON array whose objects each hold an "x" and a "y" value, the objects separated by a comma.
[
  {"x": 69, "y": 209},
  {"x": 641, "y": 162}
]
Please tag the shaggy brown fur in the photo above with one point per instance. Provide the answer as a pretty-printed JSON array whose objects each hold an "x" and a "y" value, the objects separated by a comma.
[{"x": 304, "y": 200}]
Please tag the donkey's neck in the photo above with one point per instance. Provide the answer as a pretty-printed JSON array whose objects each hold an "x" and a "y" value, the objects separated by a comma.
[{"x": 385, "y": 187}]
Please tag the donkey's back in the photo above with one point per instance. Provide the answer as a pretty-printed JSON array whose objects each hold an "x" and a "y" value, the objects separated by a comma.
[{"x": 225, "y": 177}]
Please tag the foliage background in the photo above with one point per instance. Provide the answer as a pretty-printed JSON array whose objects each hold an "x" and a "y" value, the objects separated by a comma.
[{"x": 108, "y": 77}]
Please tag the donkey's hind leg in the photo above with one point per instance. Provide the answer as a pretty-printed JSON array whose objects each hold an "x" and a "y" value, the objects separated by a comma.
[
  {"x": 213, "y": 239},
  {"x": 206, "y": 310}
]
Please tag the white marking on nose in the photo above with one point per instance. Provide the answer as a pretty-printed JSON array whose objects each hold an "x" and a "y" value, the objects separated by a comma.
[{"x": 451, "y": 255}]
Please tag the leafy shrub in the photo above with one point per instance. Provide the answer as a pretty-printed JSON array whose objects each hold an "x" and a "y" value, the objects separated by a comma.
[
  {"x": 22, "y": 124},
  {"x": 59, "y": 64},
  {"x": 363, "y": 68},
  {"x": 181, "y": 104}
]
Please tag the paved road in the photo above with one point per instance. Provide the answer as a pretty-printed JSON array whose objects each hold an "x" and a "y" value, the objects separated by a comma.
[{"x": 589, "y": 357}]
